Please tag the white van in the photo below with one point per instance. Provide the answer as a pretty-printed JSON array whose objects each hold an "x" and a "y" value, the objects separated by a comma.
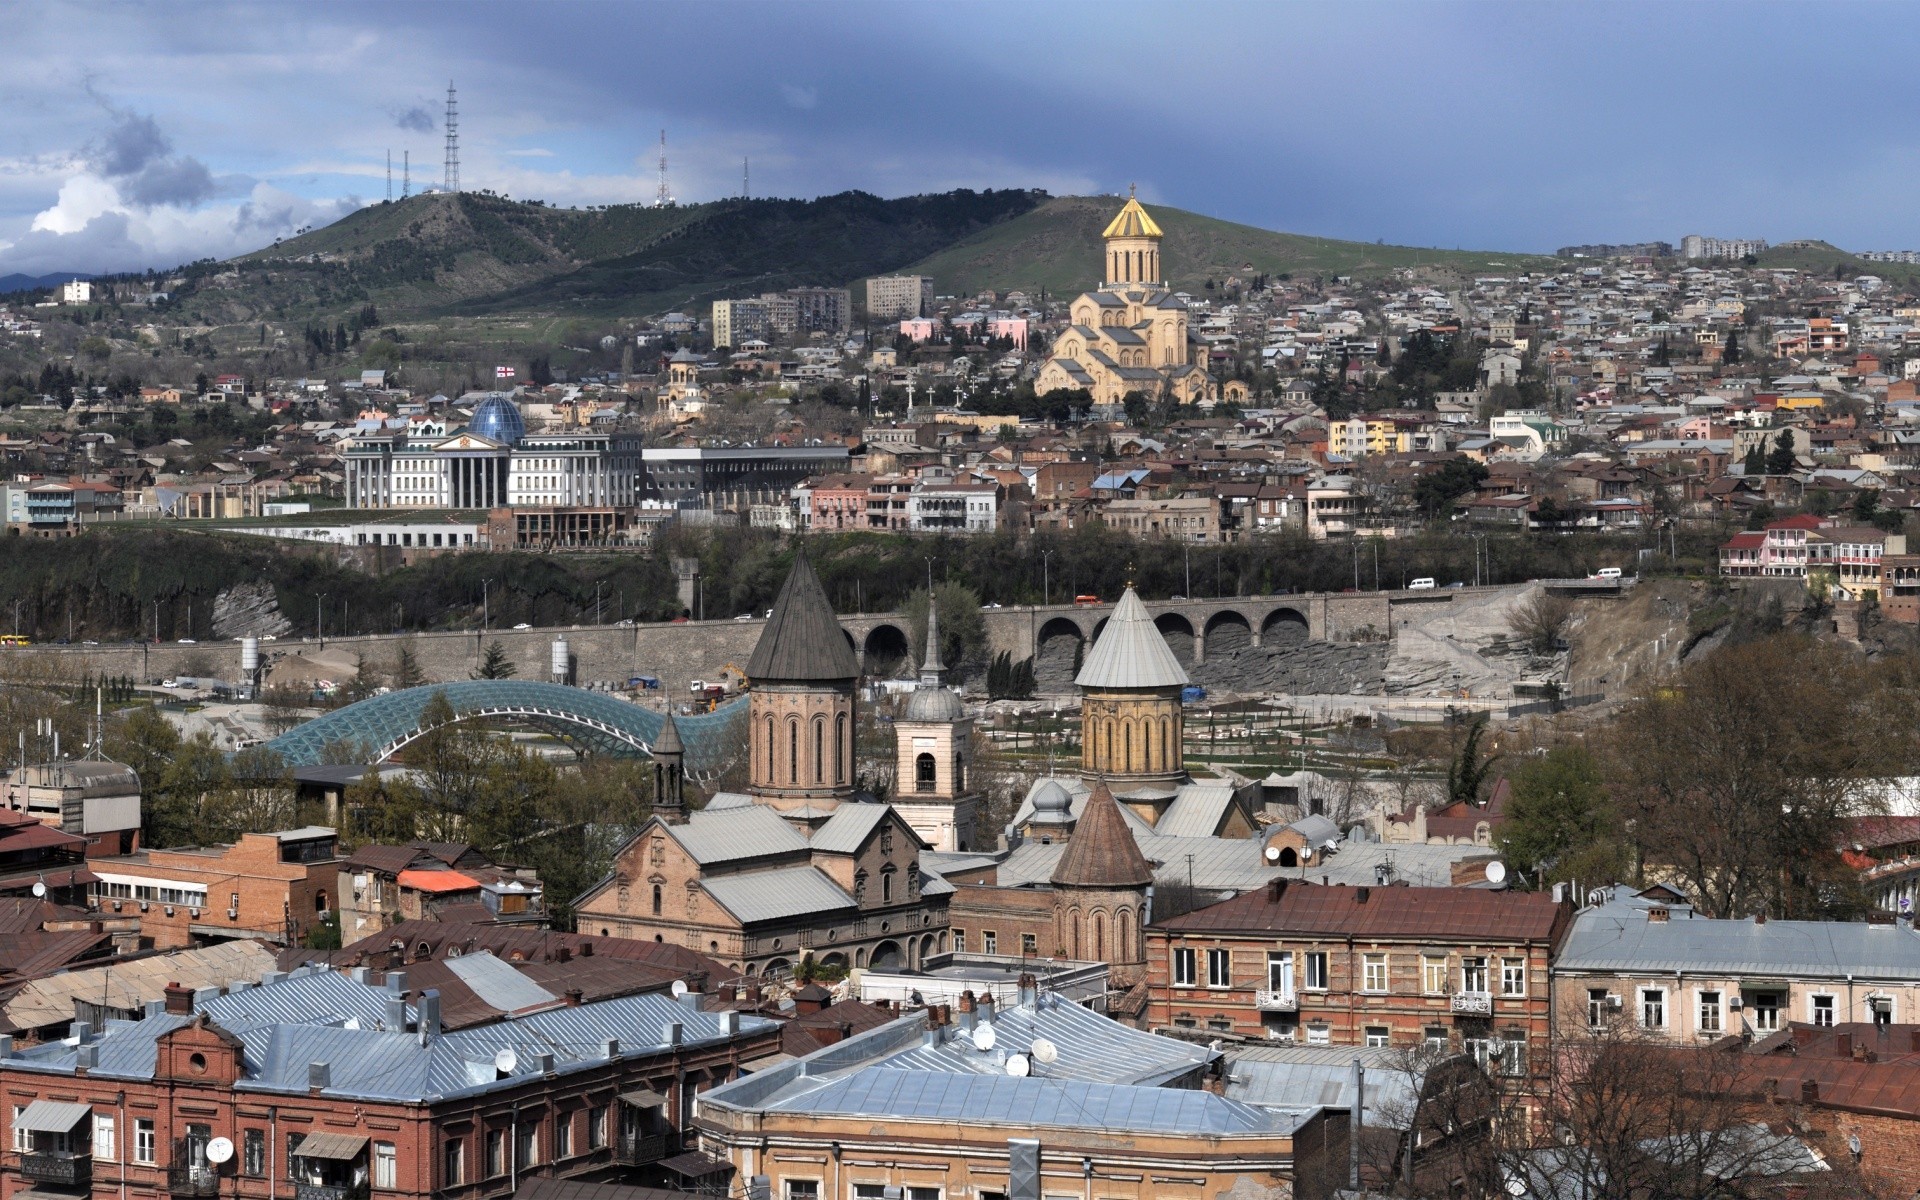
[
  {"x": 1607, "y": 573},
  {"x": 1424, "y": 584}
]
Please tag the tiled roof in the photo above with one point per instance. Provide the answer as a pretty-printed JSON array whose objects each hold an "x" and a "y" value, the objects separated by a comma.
[
  {"x": 1457, "y": 914},
  {"x": 1102, "y": 852},
  {"x": 802, "y": 641}
]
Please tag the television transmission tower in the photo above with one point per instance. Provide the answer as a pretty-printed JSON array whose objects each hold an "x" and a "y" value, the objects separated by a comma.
[
  {"x": 453, "y": 141},
  {"x": 662, "y": 197}
]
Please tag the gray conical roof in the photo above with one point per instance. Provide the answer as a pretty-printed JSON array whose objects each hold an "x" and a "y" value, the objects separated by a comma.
[
  {"x": 802, "y": 641},
  {"x": 932, "y": 701},
  {"x": 669, "y": 740},
  {"x": 1130, "y": 653},
  {"x": 931, "y": 667},
  {"x": 1102, "y": 852}
]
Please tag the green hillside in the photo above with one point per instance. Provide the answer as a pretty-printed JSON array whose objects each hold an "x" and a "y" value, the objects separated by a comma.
[
  {"x": 1824, "y": 259},
  {"x": 1057, "y": 247}
]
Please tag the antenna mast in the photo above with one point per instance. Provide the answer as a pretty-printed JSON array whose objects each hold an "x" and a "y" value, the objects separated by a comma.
[
  {"x": 406, "y": 174},
  {"x": 745, "y": 191},
  {"x": 389, "y": 175},
  {"x": 662, "y": 198},
  {"x": 453, "y": 141}
]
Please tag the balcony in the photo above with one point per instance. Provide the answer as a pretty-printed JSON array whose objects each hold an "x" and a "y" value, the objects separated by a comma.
[
  {"x": 329, "y": 1191},
  {"x": 58, "y": 1167},
  {"x": 1477, "y": 1004},
  {"x": 1268, "y": 1000},
  {"x": 635, "y": 1149},
  {"x": 199, "y": 1180}
]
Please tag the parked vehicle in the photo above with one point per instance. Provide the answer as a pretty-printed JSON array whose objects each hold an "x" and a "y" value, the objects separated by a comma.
[
  {"x": 1607, "y": 573},
  {"x": 1423, "y": 584}
]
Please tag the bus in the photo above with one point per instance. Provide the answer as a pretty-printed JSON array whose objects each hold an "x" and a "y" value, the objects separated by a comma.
[{"x": 14, "y": 639}]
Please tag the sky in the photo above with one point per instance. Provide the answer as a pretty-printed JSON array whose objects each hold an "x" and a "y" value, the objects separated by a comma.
[{"x": 138, "y": 136}]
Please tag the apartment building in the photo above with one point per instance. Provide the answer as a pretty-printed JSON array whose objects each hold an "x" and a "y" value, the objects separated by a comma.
[
  {"x": 736, "y": 322},
  {"x": 1650, "y": 960},
  {"x": 899, "y": 297},
  {"x": 273, "y": 886},
  {"x": 380, "y": 886},
  {"x": 1183, "y": 518},
  {"x": 1465, "y": 968},
  {"x": 328, "y": 1086}
]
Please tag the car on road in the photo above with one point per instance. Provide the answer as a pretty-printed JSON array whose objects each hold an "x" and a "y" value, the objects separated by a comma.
[
  {"x": 523, "y": 625},
  {"x": 1423, "y": 584},
  {"x": 187, "y": 642}
]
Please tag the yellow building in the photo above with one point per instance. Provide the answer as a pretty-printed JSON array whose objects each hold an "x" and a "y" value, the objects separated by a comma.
[{"x": 1131, "y": 335}]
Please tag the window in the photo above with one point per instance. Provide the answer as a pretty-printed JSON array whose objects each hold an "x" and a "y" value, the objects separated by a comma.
[
  {"x": 453, "y": 1163},
  {"x": 923, "y": 1193},
  {"x": 496, "y": 1152},
  {"x": 1183, "y": 966},
  {"x": 386, "y": 1166},
  {"x": 527, "y": 1152},
  {"x": 1435, "y": 1036},
  {"x": 563, "y": 1136},
  {"x": 886, "y": 884},
  {"x": 800, "y": 1189},
  {"x": 1219, "y": 969},
  {"x": 1279, "y": 970},
  {"x": 1319, "y": 1035},
  {"x": 1653, "y": 1008},
  {"x": 596, "y": 1127},
  {"x": 1378, "y": 1036},
  {"x": 656, "y": 899},
  {"x": 1513, "y": 1052},
  {"x": 1880, "y": 1009},
  {"x": 923, "y": 780},
  {"x": 144, "y": 1142},
  {"x": 22, "y": 1140},
  {"x": 253, "y": 1153},
  {"x": 1433, "y": 974},
  {"x": 293, "y": 1143},
  {"x": 1596, "y": 1007},
  {"x": 1823, "y": 1010},
  {"x": 1317, "y": 970},
  {"x": 103, "y": 1137},
  {"x": 1513, "y": 977},
  {"x": 1766, "y": 1011},
  {"x": 1710, "y": 1012},
  {"x": 1373, "y": 973},
  {"x": 989, "y": 941},
  {"x": 1473, "y": 974},
  {"x": 1029, "y": 944}
]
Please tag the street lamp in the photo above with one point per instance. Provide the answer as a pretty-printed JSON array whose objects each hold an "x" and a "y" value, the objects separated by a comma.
[
  {"x": 483, "y": 605},
  {"x": 319, "y": 619},
  {"x": 1046, "y": 577}
]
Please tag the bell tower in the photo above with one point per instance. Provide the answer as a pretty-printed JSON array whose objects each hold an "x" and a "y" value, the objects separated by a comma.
[
  {"x": 933, "y": 757},
  {"x": 800, "y": 711},
  {"x": 1133, "y": 248}
]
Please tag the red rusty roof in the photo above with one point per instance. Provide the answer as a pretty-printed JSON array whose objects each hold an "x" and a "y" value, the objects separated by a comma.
[{"x": 1456, "y": 914}]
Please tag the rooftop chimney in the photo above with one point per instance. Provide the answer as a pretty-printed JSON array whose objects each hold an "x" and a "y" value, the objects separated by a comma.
[
  {"x": 729, "y": 1023},
  {"x": 1029, "y": 991},
  {"x": 610, "y": 1048},
  {"x": 396, "y": 1016},
  {"x": 574, "y": 996},
  {"x": 179, "y": 999},
  {"x": 966, "y": 1010},
  {"x": 986, "y": 1009},
  {"x": 1809, "y": 1091},
  {"x": 1360, "y": 895},
  {"x": 670, "y": 1035},
  {"x": 397, "y": 982},
  {"x": 563, "y": 954},
  {"x": 1658, "y": 913},
  {"x": 1843, "y": 1045},
  {"x": 1760, "y": 918},
  {"x": 427, "y": 1015},
  {"x": 319, "y": 1076},
  {"x": 85, "y": 1058},
  {"x": 1276, "y": 888}
]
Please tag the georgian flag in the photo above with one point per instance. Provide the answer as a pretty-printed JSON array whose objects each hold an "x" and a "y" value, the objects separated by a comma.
[{"x": 503, "y": 372}]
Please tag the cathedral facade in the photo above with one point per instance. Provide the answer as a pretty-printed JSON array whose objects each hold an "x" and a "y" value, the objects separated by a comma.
[{"x": 1131, "y": 335}]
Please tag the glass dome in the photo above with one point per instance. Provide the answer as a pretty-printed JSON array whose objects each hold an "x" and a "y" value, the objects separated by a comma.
[{"x": 498, "y": 419}]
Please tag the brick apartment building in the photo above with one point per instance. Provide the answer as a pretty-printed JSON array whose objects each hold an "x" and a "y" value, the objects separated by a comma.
[
  {"x": 380, "y": 886},
  {"x": 1374, "y": 966},
  {"x": 275, "y": 886},
  {"x": 324, "y": 1086}
]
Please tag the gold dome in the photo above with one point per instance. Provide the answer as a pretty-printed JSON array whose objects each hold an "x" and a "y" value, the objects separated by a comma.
[{"x": 1133, "y": 222}]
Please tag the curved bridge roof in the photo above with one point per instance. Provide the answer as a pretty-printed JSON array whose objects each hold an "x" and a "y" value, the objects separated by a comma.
[{"x": 597, "y": 721}]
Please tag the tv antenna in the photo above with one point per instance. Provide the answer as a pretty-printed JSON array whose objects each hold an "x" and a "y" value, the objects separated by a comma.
[
  {"x": 745, "y": 191},
  {"x": 453, "y": 140},
  {"x": 389, "y": 176},
  {"x": 662, "y": 198},
  {"x": 406, "y": 174}
]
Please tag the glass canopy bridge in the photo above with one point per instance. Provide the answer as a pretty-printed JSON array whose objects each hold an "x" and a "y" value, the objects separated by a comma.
[{"x": 592, "y": 721}]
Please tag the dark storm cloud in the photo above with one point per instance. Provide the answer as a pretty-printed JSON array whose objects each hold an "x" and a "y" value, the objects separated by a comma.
[
  {"x": 136, "y": 154},
  {"x": 417, "y": 119}
]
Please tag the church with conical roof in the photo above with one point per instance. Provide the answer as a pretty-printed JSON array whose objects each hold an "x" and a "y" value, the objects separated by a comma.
[
  {"x": 1131, "y": 334},
  {"x": 800, "y": 718},
  {"x": 933, "y": 763}
]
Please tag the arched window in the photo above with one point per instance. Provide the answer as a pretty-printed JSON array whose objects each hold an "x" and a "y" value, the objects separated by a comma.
[
  {"x": 770, "y": 772},
  {"x": 1166, "y": 743},
  {"x": 840, "y": 748},
  {"x": 1123, "y": 943},
  {"x": 1126, "y": 741},
  {"x": 1073, "y": 931},
  {"x": 656, "y": 899},
  {"x": 793, "y": 750},
  {"x": 1099, "y": 937},
  {"x": 1108, "y": 727},
  {"x": 886, "y": 884},
  {"x": 923, "y": 772},
  {"x": 819, "y": 749},
  {"x": 959, "y": 773}
]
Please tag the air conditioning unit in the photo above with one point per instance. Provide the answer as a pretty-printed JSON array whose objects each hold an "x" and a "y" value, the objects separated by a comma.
[
  {"x": 169, "y": 910},
  {"x": 144, "y": 906},
  {"x": 1736, "y": 1003},
  {"x": 233, "y": 914},
  {"x": 116, "y": 906},
  {"x": 1613, "y": 1000},
  {"x": 194, "y": 913}
]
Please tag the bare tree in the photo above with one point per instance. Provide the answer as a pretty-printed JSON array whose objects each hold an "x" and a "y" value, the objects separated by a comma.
[{"x": 1540, "y": 620}]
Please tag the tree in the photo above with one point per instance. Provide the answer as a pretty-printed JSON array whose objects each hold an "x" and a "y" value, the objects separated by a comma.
[
  {"x": 495, "y": 664},
  {"x": 1781, "y": 460},
  {"x": 1561, "y": 823},
  {"x": 963, "y": 631},
  {"x": 406, "y": 671},
  {"x": 1755, "y": 464},
  {"x": 1866, "y": 505},
  {"x": 1540, "y": 620},
  {"x": 1733, "y": 352},
  {"x": 1467, "y": 773},
  {"x": 1438, "y": 490}
]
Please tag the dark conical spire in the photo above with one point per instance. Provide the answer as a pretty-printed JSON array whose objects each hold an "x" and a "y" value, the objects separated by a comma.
[
  {"x": 803, "y": 642},
  {"x": 932, "y": 667},
  {"x": 668, "y": 741},
  {"x": 669, "y": 773},
  {"x": 1102, "y": 852}
]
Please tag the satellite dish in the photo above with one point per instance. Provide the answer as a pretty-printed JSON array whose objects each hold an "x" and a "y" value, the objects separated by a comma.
[
  {"x": 39, "y": 890},
  {"x": 1018, "y": 1066},
  {"x": 1496, "y": 872},
  {"x": 679, "y": 988},
  {"x": 219, "y": 1150},
  {"x": 505, "y": 1060},
  {"x": 983, "y": 1038},
  {"x": 1273, "y": 854},
  {"x": 1045, "y": 1052}
]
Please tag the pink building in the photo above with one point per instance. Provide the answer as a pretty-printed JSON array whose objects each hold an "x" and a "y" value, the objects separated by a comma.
[
  {"x": 839, "y": 502},
  {"x": 1014, "y": 328},
  {"x": 920, "y": 329}
]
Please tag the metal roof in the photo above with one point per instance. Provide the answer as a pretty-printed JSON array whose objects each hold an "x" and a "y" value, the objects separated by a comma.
[
  {"x": 1004, "y": 1099},
  {"x": 608, "y": 725},
  {"x": 732, "y": 834},
  {"x": 1618, "y": 938},
  {"x": 499, "y": 985},
  {"x": 1130, "y": 652},
  {"x": 1473, "y": 915},
  {"x": 802, "y": 640},
  {"x": 849, "y": 827},
  {"x": 128, "y": 984},
  {"x": 1196, "y": 811},
  {"x": 1299, "y": 1078},
  {"x": 51, "y": 1116},
  {"x": 1093, "y": 1048},
  {"x": 775, "y": 895}
]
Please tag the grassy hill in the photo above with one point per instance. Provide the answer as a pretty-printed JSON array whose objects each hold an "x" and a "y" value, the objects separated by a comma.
[
  {"x": 496, "y": 260},
  {"x": 1822, "y": 258},
  {"x": 1057, "y": 247}
]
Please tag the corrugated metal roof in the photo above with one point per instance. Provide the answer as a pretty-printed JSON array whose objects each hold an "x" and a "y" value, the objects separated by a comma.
[
  {"x": 129, "y": 984},
  {"x": 499, "y": 985},
  {"x": 51, "y": 1116},
  {"x": 1003, "y": 1099},
  {"x": 732, "y": 834},
  {"x": 1299, "y": 1078},
  {"x": 1620, "y": 939},
  {"x": 802, "y": 640},
  {"x": 1093, "y": 1048},
  {"x": 1130, "y": 652},
  {"x": 1196, "y": 811},
  {"x": 775, "y": 895},
  {"x": 1470, "y": 914}
]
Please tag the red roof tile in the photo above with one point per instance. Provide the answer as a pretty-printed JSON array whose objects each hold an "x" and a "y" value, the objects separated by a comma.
[{"x": 1382, "y": 912}]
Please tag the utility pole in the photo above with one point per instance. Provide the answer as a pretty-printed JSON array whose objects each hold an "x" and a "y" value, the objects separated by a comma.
[
  {"x": 1046, "y": 577},
  {"x": 320, "y": 619},
  {"x": 483, "y": 605},
  {"x": 453, "y": 141}
]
